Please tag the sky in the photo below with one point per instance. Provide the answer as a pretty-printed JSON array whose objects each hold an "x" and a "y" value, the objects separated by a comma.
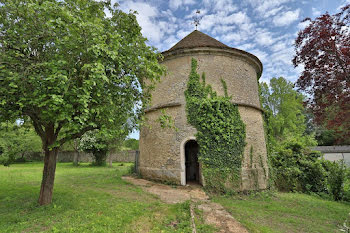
[{"x": 265, "y": 28}]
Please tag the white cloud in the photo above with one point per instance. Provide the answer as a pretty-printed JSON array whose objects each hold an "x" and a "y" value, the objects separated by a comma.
[
  {"x": 270, "y": 4},
  {"x": 167, "y": 27},
  {"x": 272, "y": 12},
  {"x": 224, "y": 5},
  {"x": 221, "y": 18},
  {"x": 175, "y": 4},
  {"x": 303, "y": 25},
  {"x": 300, "y": 68},
  {"x": 286, "y": 18},
  {"x": 215, "y": 16},
  {"x": 232, "y": 37},
  {"x": 315, "y": 12},
  {"x": 146, "y": 18},
  {"x": 262, "y": 55},
  {"x": 237, "y": 18},
  {"x": 284, "y": 56},
  {"x": 248, "y": 28},
  {"x": 278, "y": 46},
  {"x": 264, "y": 79},
  {"x": 264, "y": 38},
  {"x": 156, "y": 25},
  {"x": 223, "y": 29},
  {"x": 246, "y": 46},
  {"x": 193, "y": 12},
  {"x": 170, "y": 42},
  {"x": 207, "y": 22},
  {"x": 344, "y": 3},
  {"x": 234, "y": 27},
  {"x": 182, "y": 33},
  {"x": 264, "y": 7}
]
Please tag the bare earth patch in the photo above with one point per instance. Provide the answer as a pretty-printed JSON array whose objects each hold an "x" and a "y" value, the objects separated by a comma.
[{"x": 213, "y": 213}]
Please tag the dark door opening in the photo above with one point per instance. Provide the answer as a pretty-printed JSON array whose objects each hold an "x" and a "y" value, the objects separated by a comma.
[{"x": 191, "y": 162}]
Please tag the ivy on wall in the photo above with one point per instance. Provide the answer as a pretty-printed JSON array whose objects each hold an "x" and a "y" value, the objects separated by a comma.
[{"x": 220, "y": 133}]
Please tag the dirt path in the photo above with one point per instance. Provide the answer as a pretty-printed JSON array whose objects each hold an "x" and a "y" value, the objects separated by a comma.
[{"x": 213, "y": 213}]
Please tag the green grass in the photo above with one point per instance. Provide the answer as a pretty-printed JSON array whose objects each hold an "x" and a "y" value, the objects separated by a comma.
[
  {"x": 286, "y": 212},
  {"x": 86, "y": 199},
  {"x": 96, "y": 199}
]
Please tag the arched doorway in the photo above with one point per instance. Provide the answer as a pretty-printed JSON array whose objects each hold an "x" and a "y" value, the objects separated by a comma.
[{"x": 191, "y": 162}]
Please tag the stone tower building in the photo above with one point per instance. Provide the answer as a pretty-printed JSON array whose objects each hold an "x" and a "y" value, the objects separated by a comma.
[{"x": 171, "y": 155}]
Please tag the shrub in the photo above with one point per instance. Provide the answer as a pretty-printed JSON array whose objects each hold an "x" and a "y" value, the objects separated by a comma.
[
  {"x": 338, "y": 182},
  {"x": 298, "y": 169},
  {"x": 346, "y": 196},
  {"x": 93, "y": 142}
]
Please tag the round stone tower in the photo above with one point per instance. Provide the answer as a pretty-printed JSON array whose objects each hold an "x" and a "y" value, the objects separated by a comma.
[{"x": 170, "y": 154}]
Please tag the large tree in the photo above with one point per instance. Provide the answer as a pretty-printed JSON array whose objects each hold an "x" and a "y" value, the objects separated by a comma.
[
  {"x": 68, "y": 68},
  {"x": 323, "y": 49},
  {"x": 285, "y": 113}
]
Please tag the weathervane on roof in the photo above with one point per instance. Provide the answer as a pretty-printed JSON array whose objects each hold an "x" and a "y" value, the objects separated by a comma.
[{"x": 197, "y": 19}]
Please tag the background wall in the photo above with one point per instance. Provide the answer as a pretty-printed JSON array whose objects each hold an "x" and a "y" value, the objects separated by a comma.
[
  {"x": 334, "y": 153},
  {"x": 68, "y": 156}
]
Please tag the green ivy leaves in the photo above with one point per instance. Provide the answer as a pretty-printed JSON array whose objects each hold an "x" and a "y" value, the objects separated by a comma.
[{"x": 220, "y": 131}]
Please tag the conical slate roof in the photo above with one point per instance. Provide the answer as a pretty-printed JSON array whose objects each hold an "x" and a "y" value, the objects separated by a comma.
[{"x": 197, "y": 39}]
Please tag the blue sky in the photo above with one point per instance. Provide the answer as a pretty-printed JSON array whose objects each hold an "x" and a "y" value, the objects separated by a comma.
[{"x": 266, "y": 28}]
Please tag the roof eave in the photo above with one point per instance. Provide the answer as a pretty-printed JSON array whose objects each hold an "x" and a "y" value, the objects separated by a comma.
[{"x": 254, "y": 59}]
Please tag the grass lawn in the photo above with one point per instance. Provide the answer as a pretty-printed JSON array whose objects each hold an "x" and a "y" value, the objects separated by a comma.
[
  {"x": 93, "y": 199},
  {"x": 86, "y": 199},
  {"x": 286, "y": 212}
]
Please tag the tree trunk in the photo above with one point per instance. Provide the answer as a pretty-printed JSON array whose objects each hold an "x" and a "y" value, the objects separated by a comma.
[
  {"x": 76, "y": 154},
  {"x": 100, "y": 157},
  {"x": 48, "y": 176},
  {"x": 110, "y": 159},
  {"x": 76, "y": 158}
]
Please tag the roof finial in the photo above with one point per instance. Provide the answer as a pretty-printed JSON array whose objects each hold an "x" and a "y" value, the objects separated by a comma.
[{"x": 197, "y": 19}]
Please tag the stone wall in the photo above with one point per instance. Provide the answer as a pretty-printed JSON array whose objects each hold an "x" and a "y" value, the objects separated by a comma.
[
  {"x": 68, "y": 156},
  {"x": 335, "y": 153},
  {"x": 161, "y": 155},
  {"x": 337, "y": 156}
]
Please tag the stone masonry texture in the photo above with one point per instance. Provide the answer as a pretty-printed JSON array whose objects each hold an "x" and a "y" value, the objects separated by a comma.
[{"x": 160, "y": 149}]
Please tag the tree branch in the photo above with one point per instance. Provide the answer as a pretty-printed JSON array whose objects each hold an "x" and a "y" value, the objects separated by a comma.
[
  {"x": 59, "y": 127},
  {"x": 38, "y": 127},
  {"x": 76, "y": 135}
]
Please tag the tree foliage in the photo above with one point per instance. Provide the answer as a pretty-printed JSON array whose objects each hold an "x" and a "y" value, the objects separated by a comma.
[
  {"x": 68, "y": 68},
  {"x": 100, "y": 142},
  {"x": 15, "y": 140},
  {"x": 323, "y": 49},
  {"x": 131, "y": 144},
  {"x": 338, "y": 178},
  {"x": 297, "y": 168},
  {"x": 220, "y": 132},
  {"x": 285, "y": 113},
  {"x": 95, "y": 143}
]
